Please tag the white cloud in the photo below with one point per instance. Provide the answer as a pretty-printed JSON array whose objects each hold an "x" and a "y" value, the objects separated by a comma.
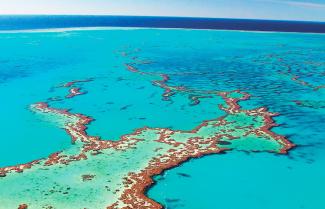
[{"x": 305, "y": 4}]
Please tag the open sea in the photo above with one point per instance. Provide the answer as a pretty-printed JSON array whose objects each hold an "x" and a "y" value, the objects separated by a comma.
[{"x": 282, "y": 71}]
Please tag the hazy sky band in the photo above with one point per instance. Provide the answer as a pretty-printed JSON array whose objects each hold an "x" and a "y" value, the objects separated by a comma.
[{"x": 313, "y": 10}]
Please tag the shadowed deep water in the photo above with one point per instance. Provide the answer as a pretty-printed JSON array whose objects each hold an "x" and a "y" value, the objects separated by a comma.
[{"x": 33, "y": 65}]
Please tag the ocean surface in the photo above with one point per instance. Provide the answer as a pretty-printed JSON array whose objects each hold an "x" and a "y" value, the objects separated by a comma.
[
  {"x": 23, "y": 22},
  {"x": 281, "y": 71}
]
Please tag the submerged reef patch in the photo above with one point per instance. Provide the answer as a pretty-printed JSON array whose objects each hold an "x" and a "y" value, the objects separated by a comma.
[
  {"x": 97, "y": 173},
  {"x": 101, "y": 173}
]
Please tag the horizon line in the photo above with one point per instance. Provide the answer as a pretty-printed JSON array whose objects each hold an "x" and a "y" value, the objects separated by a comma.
[{"x": 159, "y": 16}]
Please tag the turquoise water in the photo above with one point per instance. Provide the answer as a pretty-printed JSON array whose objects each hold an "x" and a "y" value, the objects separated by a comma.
[{"x": 34, "y": 65}]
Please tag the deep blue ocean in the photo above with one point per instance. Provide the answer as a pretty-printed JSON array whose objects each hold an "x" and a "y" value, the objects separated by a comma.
[{"x": 60, "y": 21}]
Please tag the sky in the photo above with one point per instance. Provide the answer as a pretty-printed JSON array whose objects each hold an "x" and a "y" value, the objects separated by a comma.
[{"x": 309, "y": 10}]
